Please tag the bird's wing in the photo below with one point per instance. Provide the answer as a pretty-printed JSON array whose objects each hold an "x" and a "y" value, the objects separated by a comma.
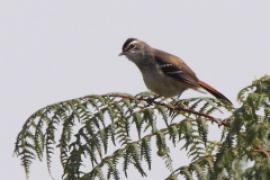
[{"x": 176, "y": 68}]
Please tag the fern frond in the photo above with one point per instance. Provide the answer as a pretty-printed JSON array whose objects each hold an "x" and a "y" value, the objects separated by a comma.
[{"x": 105, "y": 131}]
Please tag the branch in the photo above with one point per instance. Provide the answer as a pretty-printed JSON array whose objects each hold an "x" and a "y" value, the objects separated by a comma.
[
  {"x": 169, "y": 106},
  {"x": 260, "y": 150}
]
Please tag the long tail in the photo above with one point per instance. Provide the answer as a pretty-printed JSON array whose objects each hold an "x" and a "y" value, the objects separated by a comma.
[{"x": 213, "y": 91}]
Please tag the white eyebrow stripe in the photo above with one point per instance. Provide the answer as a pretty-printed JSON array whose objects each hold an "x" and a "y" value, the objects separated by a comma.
[
  {"x": 132, "y": 43},
  {"x": 175, "y": 72}
]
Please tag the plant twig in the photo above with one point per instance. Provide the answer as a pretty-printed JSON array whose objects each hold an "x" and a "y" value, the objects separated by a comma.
[
  {"x": 260, "y": 150},
  {"x": 169, "y": 106}
]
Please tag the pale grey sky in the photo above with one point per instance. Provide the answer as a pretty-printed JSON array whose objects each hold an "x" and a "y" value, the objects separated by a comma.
[{"x": 53, "y": 50}]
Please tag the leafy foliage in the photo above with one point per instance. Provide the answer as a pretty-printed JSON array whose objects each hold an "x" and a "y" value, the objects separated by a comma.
[{"x": 101, "y": 136}]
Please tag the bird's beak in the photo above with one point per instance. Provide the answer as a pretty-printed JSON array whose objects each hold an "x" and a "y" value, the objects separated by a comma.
[{"x": 121, "y": 54}]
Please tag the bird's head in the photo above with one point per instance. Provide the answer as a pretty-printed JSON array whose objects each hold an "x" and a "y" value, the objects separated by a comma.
[{"x": 135, "y": 50}]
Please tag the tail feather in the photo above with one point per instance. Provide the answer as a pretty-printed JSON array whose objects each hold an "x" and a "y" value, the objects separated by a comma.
[{"x": 213, "y": 91}]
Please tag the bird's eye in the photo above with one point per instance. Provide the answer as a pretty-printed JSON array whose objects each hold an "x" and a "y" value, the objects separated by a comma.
[{"x": 132, "y": 46}]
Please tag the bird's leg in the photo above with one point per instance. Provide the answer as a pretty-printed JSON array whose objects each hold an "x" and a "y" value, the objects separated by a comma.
[{"x": 152, "y": 99}]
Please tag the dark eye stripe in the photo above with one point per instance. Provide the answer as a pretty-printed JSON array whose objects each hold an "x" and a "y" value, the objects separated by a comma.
[{"x": 131, "y": 46}]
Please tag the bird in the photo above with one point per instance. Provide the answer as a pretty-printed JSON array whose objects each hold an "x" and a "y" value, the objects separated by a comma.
[{"x": 163, "y": 73}]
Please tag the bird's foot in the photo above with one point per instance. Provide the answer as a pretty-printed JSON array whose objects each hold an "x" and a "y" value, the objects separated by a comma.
[{"x": 151, "y": 100}]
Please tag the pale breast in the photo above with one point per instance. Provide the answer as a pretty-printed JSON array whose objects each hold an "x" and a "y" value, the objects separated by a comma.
[{"x": 156, "y": 81}]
